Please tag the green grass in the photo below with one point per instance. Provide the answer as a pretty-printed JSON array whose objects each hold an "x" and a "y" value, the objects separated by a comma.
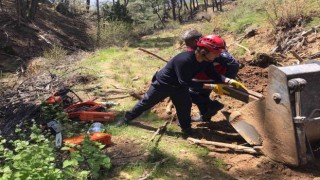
[
  {"x": 170, "y": 148},
  {"x": 249, "y": 13},
  {"x": 314, "y": 22}
]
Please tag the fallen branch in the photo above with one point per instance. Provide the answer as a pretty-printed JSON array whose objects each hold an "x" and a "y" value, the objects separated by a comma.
[
  {"x": 136, "y": 95},
  {"x": 161, "y": 129},
  {"x": 243, "y": 47},
  {"x": 220, "y": 144},
  {"x": 314, "y": 56},
  {"x": 153, "y": 54},
  {"x": 119, "y": 97},
  {"x": 296, "y": 56},
  {"x": 46, "y": 40},
  {"x": 169, "y": 107},
  {"x": 146, "y": 176}
]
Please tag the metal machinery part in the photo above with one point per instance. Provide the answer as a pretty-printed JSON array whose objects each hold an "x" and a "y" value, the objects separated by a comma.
[
  {"x": 287, "y": 120},
  {"x": 56, "y": 127},
  {"x": 289, "y": 131}
]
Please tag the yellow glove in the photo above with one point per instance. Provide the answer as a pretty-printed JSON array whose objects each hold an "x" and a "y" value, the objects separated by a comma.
[
  {"x": 236, "y": 84},
  {"x": 219, "y": 89}
]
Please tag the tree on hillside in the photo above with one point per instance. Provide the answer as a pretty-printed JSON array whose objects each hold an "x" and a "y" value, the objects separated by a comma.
[
  {"x": 88, "y": 6},
  {"x": 116, "y": 12},
  {"x": 173, "y": 6},
  {"x": 98, "y": 22},
  {"x": 217, "y": 4},
  {"x": 26, "y": 9}
]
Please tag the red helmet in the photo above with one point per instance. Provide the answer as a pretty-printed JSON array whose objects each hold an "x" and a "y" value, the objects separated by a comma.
[{"x": 212, "y": 43}]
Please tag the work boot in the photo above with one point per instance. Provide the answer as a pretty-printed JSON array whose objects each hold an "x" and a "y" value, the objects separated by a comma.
[
  {"x": 188, "y": 131},
  {"x": 212, "y": 111},
  {"x": 121, "y": 122}
]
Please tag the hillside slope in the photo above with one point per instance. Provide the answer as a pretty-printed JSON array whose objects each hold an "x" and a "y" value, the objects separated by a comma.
[{"x": 30, "y": 39}]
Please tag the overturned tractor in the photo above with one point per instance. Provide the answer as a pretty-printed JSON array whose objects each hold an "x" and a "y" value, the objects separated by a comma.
[{"x": 285, "y": 122}]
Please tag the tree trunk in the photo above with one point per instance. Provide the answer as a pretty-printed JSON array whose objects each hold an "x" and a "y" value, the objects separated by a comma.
[
  {"x": 98, "y": 20},
  {"x": 197, "y": 4},
  {"x": 126, "y": 2},
  {"x": 160, "y": 19},
  {"x": 173, "y": 4},
  {"x": 220, "y": 5},
  {"x": 185, "y": 5},
  {"x": 1, "y": 5},
  {"x": 18, "y": 9},
  {"x": 88, "y": 6},
  {"x": 33, "y": 9},
  {"x": 205, "y": 5},
  {"x": 191, "y": 13},
  {"x": 179, "y": 11},
  {"x": 214, "y": 4},
  {"x": 194, "y": 5}
]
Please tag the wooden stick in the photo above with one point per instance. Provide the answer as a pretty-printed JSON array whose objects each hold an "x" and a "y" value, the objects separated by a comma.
[
  {"x": 314, "y": 56},
  {"x": 136, "y": 95},
  {"x": 296, "y": 56},
  {"x": 147, "y": 176},
  {"x": 161, "y": 129},
  {"x": 220, "y": 144},
  {"x": 169, "y": 108},
  {"x": 243, "y": 47},
  {"x": 153, "y": 54}
]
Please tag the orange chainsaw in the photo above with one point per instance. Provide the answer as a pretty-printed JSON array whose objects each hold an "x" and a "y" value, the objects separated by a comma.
[
  {"x": 76, "y": 108},
  {"x": 89, "y": 111},
  {"x": 96, "y": 133}
]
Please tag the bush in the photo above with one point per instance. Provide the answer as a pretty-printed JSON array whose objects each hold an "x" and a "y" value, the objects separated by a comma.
[
  {"x": 116, "y": 33},
  {"x": 87, "y": 160},
  {"x": 287, "y": 14},
  {"x": 28, "y": 159},
  {"x": 55, "y": 54}
]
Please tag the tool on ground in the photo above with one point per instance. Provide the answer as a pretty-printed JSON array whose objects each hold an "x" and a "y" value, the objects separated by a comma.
[
  {"x": 96, "y": 132},
  {"x": 56, "y": 129},
  {"x": 64, "y": 96},
  {"x": 89, "y": 111},
  {"x": 286, "y": 121},
  {"x": 85, "y": 111}
]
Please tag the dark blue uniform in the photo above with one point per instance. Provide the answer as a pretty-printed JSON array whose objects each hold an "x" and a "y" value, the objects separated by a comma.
[
  {"x": 174, "y": 81},
  {"x": 227, "y": 66}
]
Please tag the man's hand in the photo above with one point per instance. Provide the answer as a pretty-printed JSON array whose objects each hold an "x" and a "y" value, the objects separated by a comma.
[
  {"x": 236, "y": 84},
  {"x": 219, "y": 89}
]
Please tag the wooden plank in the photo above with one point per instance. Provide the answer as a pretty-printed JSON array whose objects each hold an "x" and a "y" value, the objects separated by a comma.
[{"x": 227, "y": 145}]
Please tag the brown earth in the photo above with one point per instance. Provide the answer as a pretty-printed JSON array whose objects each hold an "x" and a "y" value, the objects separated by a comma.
[{"x": 243, "y": 165}]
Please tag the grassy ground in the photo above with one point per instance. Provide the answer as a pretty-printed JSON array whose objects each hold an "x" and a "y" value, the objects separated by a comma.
[{"x": 118, "y": 67}]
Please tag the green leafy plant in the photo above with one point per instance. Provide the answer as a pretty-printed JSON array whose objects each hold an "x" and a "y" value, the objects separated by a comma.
[
  {"x": 53, "y": 112},
  {"x": 86, "y": 158},
  {"x": 28, "y": 159}
]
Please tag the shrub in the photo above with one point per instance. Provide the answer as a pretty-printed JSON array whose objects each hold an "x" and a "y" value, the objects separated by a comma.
[
  {"x": 28, "y": 159},
  {"x": 116, "y": 33},
  {"x": 287, "y": 14},
  {"x": 55, "y": 54},
  {"x": 86, "y": 159}
]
